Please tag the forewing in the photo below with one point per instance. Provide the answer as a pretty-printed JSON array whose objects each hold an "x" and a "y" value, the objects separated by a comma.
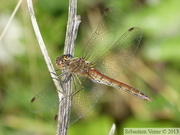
[
  {"x": 44, "y": 100},
  {"x": 103, "y": 36},
  {"x": 108, "y": 56}
]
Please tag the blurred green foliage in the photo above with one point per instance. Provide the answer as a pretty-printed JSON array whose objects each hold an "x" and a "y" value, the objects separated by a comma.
[{"x": 155, "y": 70}]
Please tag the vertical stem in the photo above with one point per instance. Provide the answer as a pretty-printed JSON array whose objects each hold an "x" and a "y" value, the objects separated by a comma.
[
  {"x": 71, "y": 34},
  {"x": 42, "y": 45}
]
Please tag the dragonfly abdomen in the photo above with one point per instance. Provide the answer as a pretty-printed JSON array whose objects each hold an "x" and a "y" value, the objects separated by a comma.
[
  {"x": 133, "y": 91},
  {"x": 97, "y": 77}
]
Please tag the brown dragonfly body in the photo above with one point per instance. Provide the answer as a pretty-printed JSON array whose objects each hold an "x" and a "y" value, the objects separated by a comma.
[
  {"x": 79, "y": 66},
  {"x": 105, "y": 56}
]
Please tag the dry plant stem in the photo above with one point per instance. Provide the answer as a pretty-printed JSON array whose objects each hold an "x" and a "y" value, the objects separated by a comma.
[
  {"x": 111, "y": 132},
  {"x": 42, "y": 46},
  {"x": 71, "y": 34}
]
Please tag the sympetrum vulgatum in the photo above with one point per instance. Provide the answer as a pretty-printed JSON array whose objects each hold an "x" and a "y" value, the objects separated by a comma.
[{"x": 104, "y": 59}]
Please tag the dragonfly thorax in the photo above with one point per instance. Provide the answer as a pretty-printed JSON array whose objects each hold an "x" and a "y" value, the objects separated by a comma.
[{"x": 75, "y": 65}]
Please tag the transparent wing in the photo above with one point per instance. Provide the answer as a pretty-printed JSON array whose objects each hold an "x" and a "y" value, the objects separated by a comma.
[
  {"x": 103, "y": 36},
  {"x": 120, "y": 54},
  {"x": 44, "y": 100},
  {"x": 85, "y": 95},
  {"x": 88, "y": 93},
  {"x": 109, "y": 56}
]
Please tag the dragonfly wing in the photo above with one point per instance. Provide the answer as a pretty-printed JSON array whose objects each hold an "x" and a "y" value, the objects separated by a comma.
[
  {"x": 109, "y": 56},
  {"x": 44, "y": 100},
  {"x": 120, "y": 54},
  {"x": 86, "y": 97},
  {"x": 103, "y": 36}
]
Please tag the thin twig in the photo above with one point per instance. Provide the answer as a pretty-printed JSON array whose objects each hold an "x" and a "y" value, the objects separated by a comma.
[
  {"x": 10, "y": 19},
  {"x": 42, "y": 46},
  {"x": 71, "y": 34},
  {"x": 111, "y": 132}
]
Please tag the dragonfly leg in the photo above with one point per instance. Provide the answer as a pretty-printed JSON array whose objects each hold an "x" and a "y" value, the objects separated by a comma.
[
  {"x": 77, "y": 90},
  {"x": 55, "y": 78},
  {"x": 58, "y": 70},
  {"x": 54, "y": 73},
  {"x": 67, "y": 78},
  {"x": 72, "y": 94}
]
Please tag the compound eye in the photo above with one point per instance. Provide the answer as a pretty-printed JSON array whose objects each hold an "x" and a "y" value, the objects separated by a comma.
[{"x": 58, "y": 59}]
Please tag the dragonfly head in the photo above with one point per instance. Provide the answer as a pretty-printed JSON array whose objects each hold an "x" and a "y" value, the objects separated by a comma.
[{"x": 62, "y": 61}]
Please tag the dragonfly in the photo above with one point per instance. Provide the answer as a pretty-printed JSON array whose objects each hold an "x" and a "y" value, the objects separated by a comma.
[{"x": 104, "y": 58}]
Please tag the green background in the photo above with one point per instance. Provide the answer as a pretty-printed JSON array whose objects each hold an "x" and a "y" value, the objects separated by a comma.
[{"x": 155, "y": 68}]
